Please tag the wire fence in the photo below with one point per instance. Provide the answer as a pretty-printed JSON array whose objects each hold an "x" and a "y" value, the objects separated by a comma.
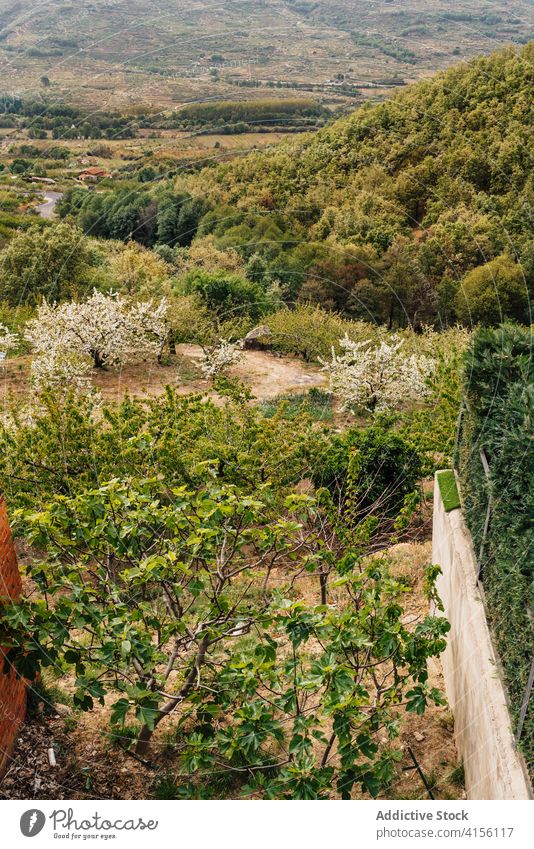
[{"x": 525, "y": 701}]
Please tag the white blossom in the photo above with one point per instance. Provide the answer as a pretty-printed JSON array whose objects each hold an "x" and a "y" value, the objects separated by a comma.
[
  {"x": 221, "y": 356},
  {"x": 109, "y": 329},
  {"x": 61, "y": 371},
  {"x": 8, "y": 341},
  {"x": 379, "y": 377}
]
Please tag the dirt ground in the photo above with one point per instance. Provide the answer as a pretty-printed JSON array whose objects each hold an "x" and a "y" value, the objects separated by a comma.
[{"x": 264, "y": 373}]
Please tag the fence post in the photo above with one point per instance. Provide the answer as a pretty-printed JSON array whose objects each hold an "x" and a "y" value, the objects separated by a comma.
[
  {"x": 524, "y": 706},
  {"x": 485, "y": 466}
]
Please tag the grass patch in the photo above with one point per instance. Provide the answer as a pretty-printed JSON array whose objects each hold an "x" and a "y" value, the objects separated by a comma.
[
  {"x": 316, "y": 402},
  {"x": 448, "y": 490}
]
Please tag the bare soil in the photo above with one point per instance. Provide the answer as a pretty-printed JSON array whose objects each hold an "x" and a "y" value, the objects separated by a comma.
[{"x": 264, "y": 373}]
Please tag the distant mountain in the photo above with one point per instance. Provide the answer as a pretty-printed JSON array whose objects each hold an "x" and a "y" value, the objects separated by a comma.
[{"x": 109, "y": 53}]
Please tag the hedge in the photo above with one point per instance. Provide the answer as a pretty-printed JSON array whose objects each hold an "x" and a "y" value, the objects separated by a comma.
[{"x": 499, "y": 417}]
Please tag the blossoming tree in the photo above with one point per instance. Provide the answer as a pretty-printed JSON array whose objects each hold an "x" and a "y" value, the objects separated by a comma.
[
  {"x": 8, "y": 341},
  {"x": 380, "y": 377},
  {"x": 219, "y": 357},
  {"x": 106, "y": 329}
]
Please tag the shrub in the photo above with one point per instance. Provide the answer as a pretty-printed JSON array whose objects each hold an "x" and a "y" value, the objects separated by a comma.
[
  {"x": 15, "y": 319},
  {"x": 383, "y": 469},
  {"x": 227, "y": 295},
  {"x": 50, "y": 263},
  {"x": 492, "y": 293},
  {"x": 317, "y": 403},
  {"x": 311, "y": 332},
  {"x": 376, "y": 466},
  {"x": 499, "y": 397},
  {"x": 188, "y": 617}
]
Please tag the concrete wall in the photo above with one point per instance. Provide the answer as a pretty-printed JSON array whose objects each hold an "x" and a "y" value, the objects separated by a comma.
[
  {"x": 12, "y": 689},
  {"x": 493, "y": 768}
]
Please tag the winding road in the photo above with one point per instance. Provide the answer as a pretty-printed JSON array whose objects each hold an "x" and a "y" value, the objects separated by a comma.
[{"x": 50, "y": 199}]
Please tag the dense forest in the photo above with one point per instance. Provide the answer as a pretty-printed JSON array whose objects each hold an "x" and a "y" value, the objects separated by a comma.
[{"x": 413, "y": 211}]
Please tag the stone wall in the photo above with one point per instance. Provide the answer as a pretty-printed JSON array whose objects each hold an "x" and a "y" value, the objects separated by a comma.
[
  {"x": 12, "y": 690},
  {"x": 476, "y": 694}
]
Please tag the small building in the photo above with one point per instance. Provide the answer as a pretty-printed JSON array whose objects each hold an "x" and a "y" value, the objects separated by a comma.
[
  {"x": 48, "y": 181},
  {"x": 93, "y": 174}
]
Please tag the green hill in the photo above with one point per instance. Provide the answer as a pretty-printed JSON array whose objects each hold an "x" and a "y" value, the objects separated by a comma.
[
  {"x": 417, "y": 210},
  {"x": 403, "y": 207}
]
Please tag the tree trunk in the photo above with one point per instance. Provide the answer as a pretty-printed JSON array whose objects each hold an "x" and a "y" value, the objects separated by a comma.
[
  {"x": 97, "y": 359},
  {"x": 323, "y": 577},
  {"x": 145, "y": 735}
]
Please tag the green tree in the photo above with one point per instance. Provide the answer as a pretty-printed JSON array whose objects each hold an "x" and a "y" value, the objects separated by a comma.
[
  {"x": 187, "y": 618},
  {"x": 493, "y": 292},
  {"x": 227, "y": 294},
  {"x": 51, "y": 263}
]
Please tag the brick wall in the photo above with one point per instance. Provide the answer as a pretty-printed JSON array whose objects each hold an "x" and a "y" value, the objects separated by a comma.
[{"x": 12, "y": 691}]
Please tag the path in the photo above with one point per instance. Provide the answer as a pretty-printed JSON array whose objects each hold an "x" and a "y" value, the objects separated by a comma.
[
  {"x": 47, "y": 208},
  {"x": 266, "y": 375}
]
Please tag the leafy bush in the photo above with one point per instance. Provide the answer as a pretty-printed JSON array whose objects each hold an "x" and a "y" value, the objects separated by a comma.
[
  {"x": 317, "y": 403},
  {"x": 375, "y": 467},
  {"x": 187, "y": 617},
  {"x": 499, "y": 393},
  {"x": 311, "y": 332},
  {"x": 493, "y": 292},
  {"x": 15, "y": 319},
  {"x": 383, "y": 469},
  {"x": 50, "y": 263},
  {"x": 69, "y": 446},
  {"x": 432, "y": 426},
  {"x": 227, "y": 295}
]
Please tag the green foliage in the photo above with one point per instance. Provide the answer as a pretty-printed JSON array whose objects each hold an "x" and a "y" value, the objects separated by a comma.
[
  {"x": 180, "y": 582},
  {"x": 383, "y": 470},
  {"x": 15, "y": 318},
  {"x": 263, "y": 111},
  {"x": 121, "y": 214},
  {"x": 371, "y": 470},
  {"x": 317, "y": 403},
  {"x": 399, "y": 214},
  {"x": 50, "y": 263},
  {"x": 492, "y": 292},
  {"x": 499, "y": 397},
  {"x": 401, "y": 54},
  {"x": 135, "y": 212},
  {"x": 311, "y": 332},
  {"x": 448, "y": 490},
  {"x": 432, "y": 426},
  {"x": 407, "y": 196},
  {"x": 227, "y": 295},
  {"x": 69, "y": 447},
  {"x": 176, "y": 575},
  {"x": 177, "y": 219}
]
